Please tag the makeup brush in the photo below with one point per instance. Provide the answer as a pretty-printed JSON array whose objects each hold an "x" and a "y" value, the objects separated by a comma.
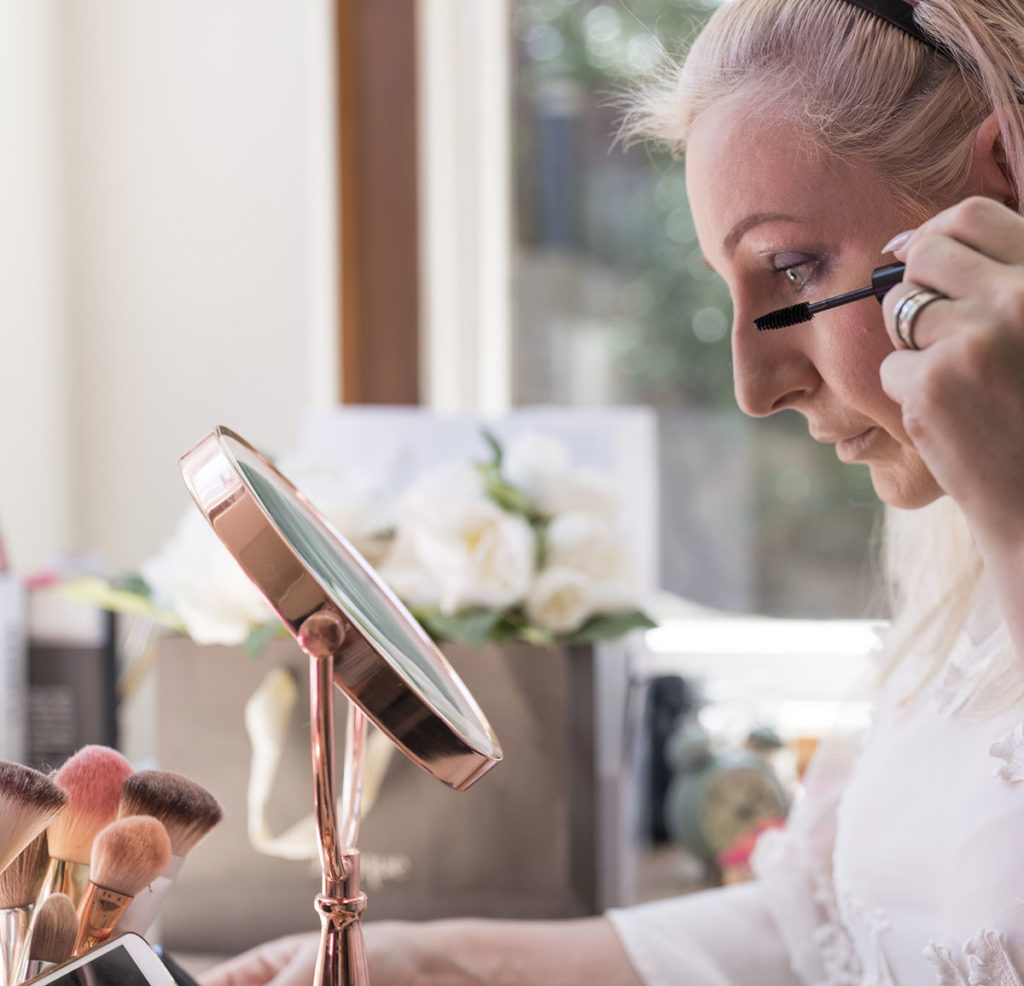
[
  {"x": 882, "y": 278},
  {"x": 126, "y": 856},
  {"x": 19, "y": 887},
  {"x": 188, "y": 812},
  {"x": 28, "y": 801},
  {"x": 53, "y": 935},
  {"x": 93, "y": 779}
]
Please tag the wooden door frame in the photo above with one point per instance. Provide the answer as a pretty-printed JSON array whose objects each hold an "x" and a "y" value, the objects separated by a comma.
[{"x": 378, "y": 343}]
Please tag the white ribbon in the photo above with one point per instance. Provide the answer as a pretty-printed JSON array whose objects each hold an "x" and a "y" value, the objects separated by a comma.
[{"x": 267, "y": 716}]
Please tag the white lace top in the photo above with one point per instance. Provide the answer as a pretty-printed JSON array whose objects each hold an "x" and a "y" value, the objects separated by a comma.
[{"x": 902, "y": 866}]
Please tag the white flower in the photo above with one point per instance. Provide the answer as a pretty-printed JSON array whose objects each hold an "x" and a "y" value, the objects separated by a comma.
[
  {"x": 196, "y": 577},
  {"x": 592, "y": 492},
  {"x": 584, "y": 543},
  {"x": 455, "y": 548},
  {"x": 539, "y": 466},
  {"x": 560, "y": 600}
]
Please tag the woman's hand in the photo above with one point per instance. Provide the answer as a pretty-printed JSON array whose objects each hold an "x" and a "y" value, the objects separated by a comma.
[
  {"x": 288, "y": 961},
  {"x": 462, "y": 952},
  {"x": 962, "y": 394},
  {"x": 291, "y": 961}
]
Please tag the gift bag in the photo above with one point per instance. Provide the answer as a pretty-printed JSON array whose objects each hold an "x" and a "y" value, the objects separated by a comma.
[{"x": 523, "y": 842}]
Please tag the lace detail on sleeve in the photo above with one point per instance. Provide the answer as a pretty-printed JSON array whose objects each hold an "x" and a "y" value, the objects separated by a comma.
[
  {"x": 804, "y": 908},
  {"x": 1010, "y": 749},
  {"x": 875, "y": 925},
  {"x": 985, "y": 957},
  {"x": 794, "y": 865}
]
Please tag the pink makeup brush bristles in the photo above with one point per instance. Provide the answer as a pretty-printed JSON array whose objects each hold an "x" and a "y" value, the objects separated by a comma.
[
  {"x": 187, "y": 810},
  {"x": 126, "y": 856},
  {"x": 53, "y": 934},
  {"x": 93, "y": 779}
]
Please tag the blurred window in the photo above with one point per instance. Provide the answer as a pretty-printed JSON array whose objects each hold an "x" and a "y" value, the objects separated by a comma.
[{"x": 613, "y": 305}]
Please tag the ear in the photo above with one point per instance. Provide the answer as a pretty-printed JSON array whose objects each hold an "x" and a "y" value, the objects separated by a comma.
[{"x": 989, "y": 173}]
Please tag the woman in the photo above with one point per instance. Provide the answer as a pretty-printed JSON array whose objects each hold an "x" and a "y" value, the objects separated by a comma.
[{"x": 824, "y": 138}]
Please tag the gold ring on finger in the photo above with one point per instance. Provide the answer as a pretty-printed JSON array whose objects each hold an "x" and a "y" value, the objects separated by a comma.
[{"x": 907, "y": 309}]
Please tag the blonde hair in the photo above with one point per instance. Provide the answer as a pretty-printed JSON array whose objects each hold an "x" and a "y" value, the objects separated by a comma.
[
  {"x": 862, "y": 89},
  {"x": 869, "y": 93}
]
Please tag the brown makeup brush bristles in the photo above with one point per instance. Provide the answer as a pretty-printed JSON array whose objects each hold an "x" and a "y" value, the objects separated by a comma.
[
  {"x": 21, "y": 881},
  {"x": 187, "y": 810},
  {"x": 53, "y": 930},
  {"x": 129, "y": 854},
  {"x": 93, "y": 778},
  {"x": 28, "y": 801}
]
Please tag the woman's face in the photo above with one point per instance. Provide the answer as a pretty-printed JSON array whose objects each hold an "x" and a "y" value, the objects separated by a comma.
[{"x": 781, "y": 226}]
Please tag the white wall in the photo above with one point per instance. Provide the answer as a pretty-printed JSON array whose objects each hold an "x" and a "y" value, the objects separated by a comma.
[
  {"x": 34, "y": 508},
  {"x": 195, "y": 219}
]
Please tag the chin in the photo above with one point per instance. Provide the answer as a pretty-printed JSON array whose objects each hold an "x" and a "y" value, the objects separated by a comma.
[{"x": 908, "y": 488}]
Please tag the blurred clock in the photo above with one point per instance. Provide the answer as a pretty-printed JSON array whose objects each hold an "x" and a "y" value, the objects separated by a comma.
[{"x": 716, "y": 798}]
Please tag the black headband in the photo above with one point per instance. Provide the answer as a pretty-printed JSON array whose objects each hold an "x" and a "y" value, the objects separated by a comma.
[{"x": 900, "y": 14}]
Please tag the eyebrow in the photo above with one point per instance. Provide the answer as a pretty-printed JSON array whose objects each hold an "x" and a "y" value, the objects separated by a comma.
[{"x": 744, "y": 226}]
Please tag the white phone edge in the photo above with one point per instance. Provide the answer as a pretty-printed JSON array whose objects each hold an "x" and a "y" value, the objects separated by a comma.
[{"x": 148, "y": 962}]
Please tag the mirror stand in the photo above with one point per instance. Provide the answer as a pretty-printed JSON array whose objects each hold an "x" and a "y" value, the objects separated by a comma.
[
  {"x": 361, "y": 639},
  {"x": 341, "y": 960}
]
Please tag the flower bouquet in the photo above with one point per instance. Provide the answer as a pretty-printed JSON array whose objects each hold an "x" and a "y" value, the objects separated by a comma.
[{"x": 520, "y": 546}]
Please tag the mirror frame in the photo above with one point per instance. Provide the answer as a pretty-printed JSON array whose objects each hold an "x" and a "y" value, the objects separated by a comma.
[{"x": 362, "y": 670}]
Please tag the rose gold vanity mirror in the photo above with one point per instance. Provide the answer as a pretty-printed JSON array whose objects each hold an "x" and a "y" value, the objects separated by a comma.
[{"x": 358, "y": 636}]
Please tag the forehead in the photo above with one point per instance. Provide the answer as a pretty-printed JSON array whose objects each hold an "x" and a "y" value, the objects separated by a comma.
[{"x": 743, "y": 160}]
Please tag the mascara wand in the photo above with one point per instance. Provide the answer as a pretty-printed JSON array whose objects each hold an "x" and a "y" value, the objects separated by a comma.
[{"x": 882, "y": 278}]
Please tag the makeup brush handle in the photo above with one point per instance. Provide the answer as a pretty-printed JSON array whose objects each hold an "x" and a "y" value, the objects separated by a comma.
[
  {"x": 14, "y": 935},
  {"x": 142, "y": 911},
  {"x": 98, "y": 915},
  {"x": 36, "y": 967},
  {"x": 65, "y": 877}
]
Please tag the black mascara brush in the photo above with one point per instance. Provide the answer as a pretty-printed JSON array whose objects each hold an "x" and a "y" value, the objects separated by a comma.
[{"x": 882, "y": 278}]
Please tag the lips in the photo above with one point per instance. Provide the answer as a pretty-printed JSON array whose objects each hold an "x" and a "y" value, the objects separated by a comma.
[
  {"x": 855, "y": 446},
  {"x": 850, "y": 445},
  {"x": 833, "y": 438}
]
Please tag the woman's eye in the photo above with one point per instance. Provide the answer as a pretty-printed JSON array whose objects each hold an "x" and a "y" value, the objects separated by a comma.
[{"x": 799, "y": 272}]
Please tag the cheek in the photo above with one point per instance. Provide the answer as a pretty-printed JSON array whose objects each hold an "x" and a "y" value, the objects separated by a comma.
[{"x": 857, "y": 347}]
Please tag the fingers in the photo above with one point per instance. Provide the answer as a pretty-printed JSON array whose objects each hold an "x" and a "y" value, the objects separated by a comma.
[
  {"x": 943, "y": 264},
  {"x": 915, "y": 325},
  {"x": 981, "y": 224},
  {"x": 973, "y": 255},
  {"x": 263, "y": 964}
]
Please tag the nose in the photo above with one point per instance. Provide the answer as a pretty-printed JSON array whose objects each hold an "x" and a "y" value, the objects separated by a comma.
[{"x": 773, "y": 369}]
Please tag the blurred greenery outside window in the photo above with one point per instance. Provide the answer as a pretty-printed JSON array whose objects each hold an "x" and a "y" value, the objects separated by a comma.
[{"x": 613, "y": 305}]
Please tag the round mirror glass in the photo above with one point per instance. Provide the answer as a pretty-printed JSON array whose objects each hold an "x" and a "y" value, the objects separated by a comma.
[{"x": 301, "y": 564}]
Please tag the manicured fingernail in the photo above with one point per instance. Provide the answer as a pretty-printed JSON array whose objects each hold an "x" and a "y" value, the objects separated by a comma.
[{"x": 898, "y": 241}]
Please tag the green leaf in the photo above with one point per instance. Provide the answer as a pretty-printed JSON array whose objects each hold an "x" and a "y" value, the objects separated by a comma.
[
  {"x": 537, "y": 636},
  {"x": 510, "y": 498},
  {"x": 541, "y": 555},
  {"x": 509, "y": 626},
  {"x": 101, "y": 593},
  {"x": 497, "y": 452},
  {"x": 259, "y": 636},
  {"x": 608, "y": 626},
  {"x": 133, "y": 582}
]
